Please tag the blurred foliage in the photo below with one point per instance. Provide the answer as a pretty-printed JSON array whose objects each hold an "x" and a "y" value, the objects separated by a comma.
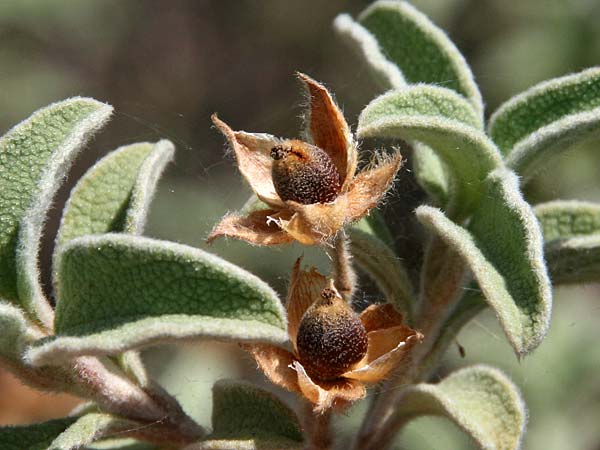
[{"x": 166, "y": 66}]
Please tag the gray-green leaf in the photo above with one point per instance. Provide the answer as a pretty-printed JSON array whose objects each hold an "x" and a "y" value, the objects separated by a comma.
[
  {"x": 33, "y": 437},
  {"x": 16, "y": 332},
  {"x": 504, "y": 251},
  {"x": 442, "y": 120},
  {"x": 572, "y": 240},
  {"x": 383, "y": 265},
  {"x": 115, "y": 193},
  {"x": 34, "y": 157},
  {"x": 546, "y": 119},
  {"x": 481, "y": 400},
  {"x": 89, "y": 428},
  {"x": 242, "y": 410},
  {"x": 117, "y": 292},
  {"x": 420, "y": 49}
]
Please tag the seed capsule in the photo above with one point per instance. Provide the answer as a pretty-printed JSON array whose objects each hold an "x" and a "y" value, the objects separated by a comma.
[
  {"x": 331, "y": 337},
  {"x": 304, "y": 173}
]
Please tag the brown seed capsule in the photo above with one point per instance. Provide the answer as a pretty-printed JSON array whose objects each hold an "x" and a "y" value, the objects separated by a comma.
[
  {"x": 304, "y": 173},
  {"x": 331, "y": 337}
]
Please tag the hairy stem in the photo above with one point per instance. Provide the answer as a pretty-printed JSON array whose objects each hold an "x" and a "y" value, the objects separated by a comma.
[
  {"x": 118, "y": 395},
  {"x": 343, "y": 272},
  {"x": 318, "y": 428}
]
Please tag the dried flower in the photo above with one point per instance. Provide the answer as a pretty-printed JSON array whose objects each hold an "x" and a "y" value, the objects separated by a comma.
[
  {"x": 311, "y": 189},
  {"x": 335, "y": 351}
]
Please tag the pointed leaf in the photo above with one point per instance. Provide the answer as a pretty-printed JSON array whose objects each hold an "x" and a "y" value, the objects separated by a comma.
[
  {"x": 440, "y": 119},
  {"x": 546, "y": 119},
  {"x": 481, "y": 400},
  {"x": 386, "y": 269},
  {"x": 242, "y": 410},
  {"x": 32, "y": 437},
  {"x": 34, "y": 157},
  {"x": 385, "y": 72},
  {"x": 89, "y": 428},
  {"x": 118, "y": 292},
  {"x": 420, "y": 49},
  {"x": 572, "y": 240},
  {"x": 504, "y": 251},
  {"x": 115, "y": 193}
]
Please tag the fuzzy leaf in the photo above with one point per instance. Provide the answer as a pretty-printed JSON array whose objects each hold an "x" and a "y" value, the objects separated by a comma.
[
  {"x": 562, "y": 219},
  {"x": 33, "y": 437},
  {"x": 34, "y": 157},
  {"x": 431, "y": 174},
  {"x": 420, "y": 49},
  {"x": 246, "y": 444},
  {"x": 15, "y": 333},
  {"x": 441, "y": 120},
  {"x": 386, "y": 269},
  {"x": 481, "y": 400},
  {"x": 385, "y": 72},
  {"x": 546, "y": 119},
  {"x": 241, "y": 410},
  {"x": 117, "y": 292},
  {"x": 114, "y": 194},
  {"x": 572, "y": 240},
  {"x": 504, "y": 251},
  {"x": 89, "y": 428},
  {"x": 574, "y": 260}
]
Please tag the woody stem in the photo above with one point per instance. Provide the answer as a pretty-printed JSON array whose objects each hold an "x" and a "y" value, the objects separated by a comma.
[{"x": 343, "y": 272}]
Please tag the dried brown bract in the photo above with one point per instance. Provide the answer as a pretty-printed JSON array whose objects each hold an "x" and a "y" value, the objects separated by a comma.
[
  {"x": 311, "y": 189},
  {"x": 335, "y": 351}
]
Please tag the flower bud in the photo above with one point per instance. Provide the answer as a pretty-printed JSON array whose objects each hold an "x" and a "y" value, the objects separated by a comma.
[
  {"x": 304, "y": 173},
  {"x": 331, "y": 338}
]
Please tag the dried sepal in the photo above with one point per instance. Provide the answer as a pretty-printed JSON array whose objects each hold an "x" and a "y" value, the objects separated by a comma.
[
  {"x": 253, "y": 155},
  {"x": 338, "y": 394},
  {"x": 329, "y": 130},
  {"x": 258, "y": 228},
  {"x": 305, "y": 287},
  {"x": 370, "y": 185},
  {"x": 276, "y": 363},
  {"x": 313, "y": 187}
]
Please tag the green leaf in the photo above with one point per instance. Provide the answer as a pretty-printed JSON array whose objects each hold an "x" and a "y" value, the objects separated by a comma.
[
  {"x": 574, "y": 260},
  {"x": 546, "y": 119},
  {"x": 568, "y": 218},
  {"x": 242, "y": 410},
  {"x": 431, "y": 174},
  {"x": 386, "y": 269},
  {"x": 481, "y": 400},
  {"x": 420, "y": 49},
  {"x": 375, "y": 225},
  {"x": 115, "y": 193},
  {"x": 34, "y": 157},
  {"x": 503, "y": 249},
  {"x": 572, "y": 240},
  {"x": 117, "y": 292},
  {"x": 385, "y": 72},
  {"x": 441, "y": 120},
  {"x": 15, "y": 334},
  {"x": 247, "y": 417},
  {"x": 32, "y": 437},
  {"x": 89, "y": 428}
]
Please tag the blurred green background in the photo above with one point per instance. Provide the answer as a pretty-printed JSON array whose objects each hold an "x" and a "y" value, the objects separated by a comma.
[{"x": 167, "y": 65}]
